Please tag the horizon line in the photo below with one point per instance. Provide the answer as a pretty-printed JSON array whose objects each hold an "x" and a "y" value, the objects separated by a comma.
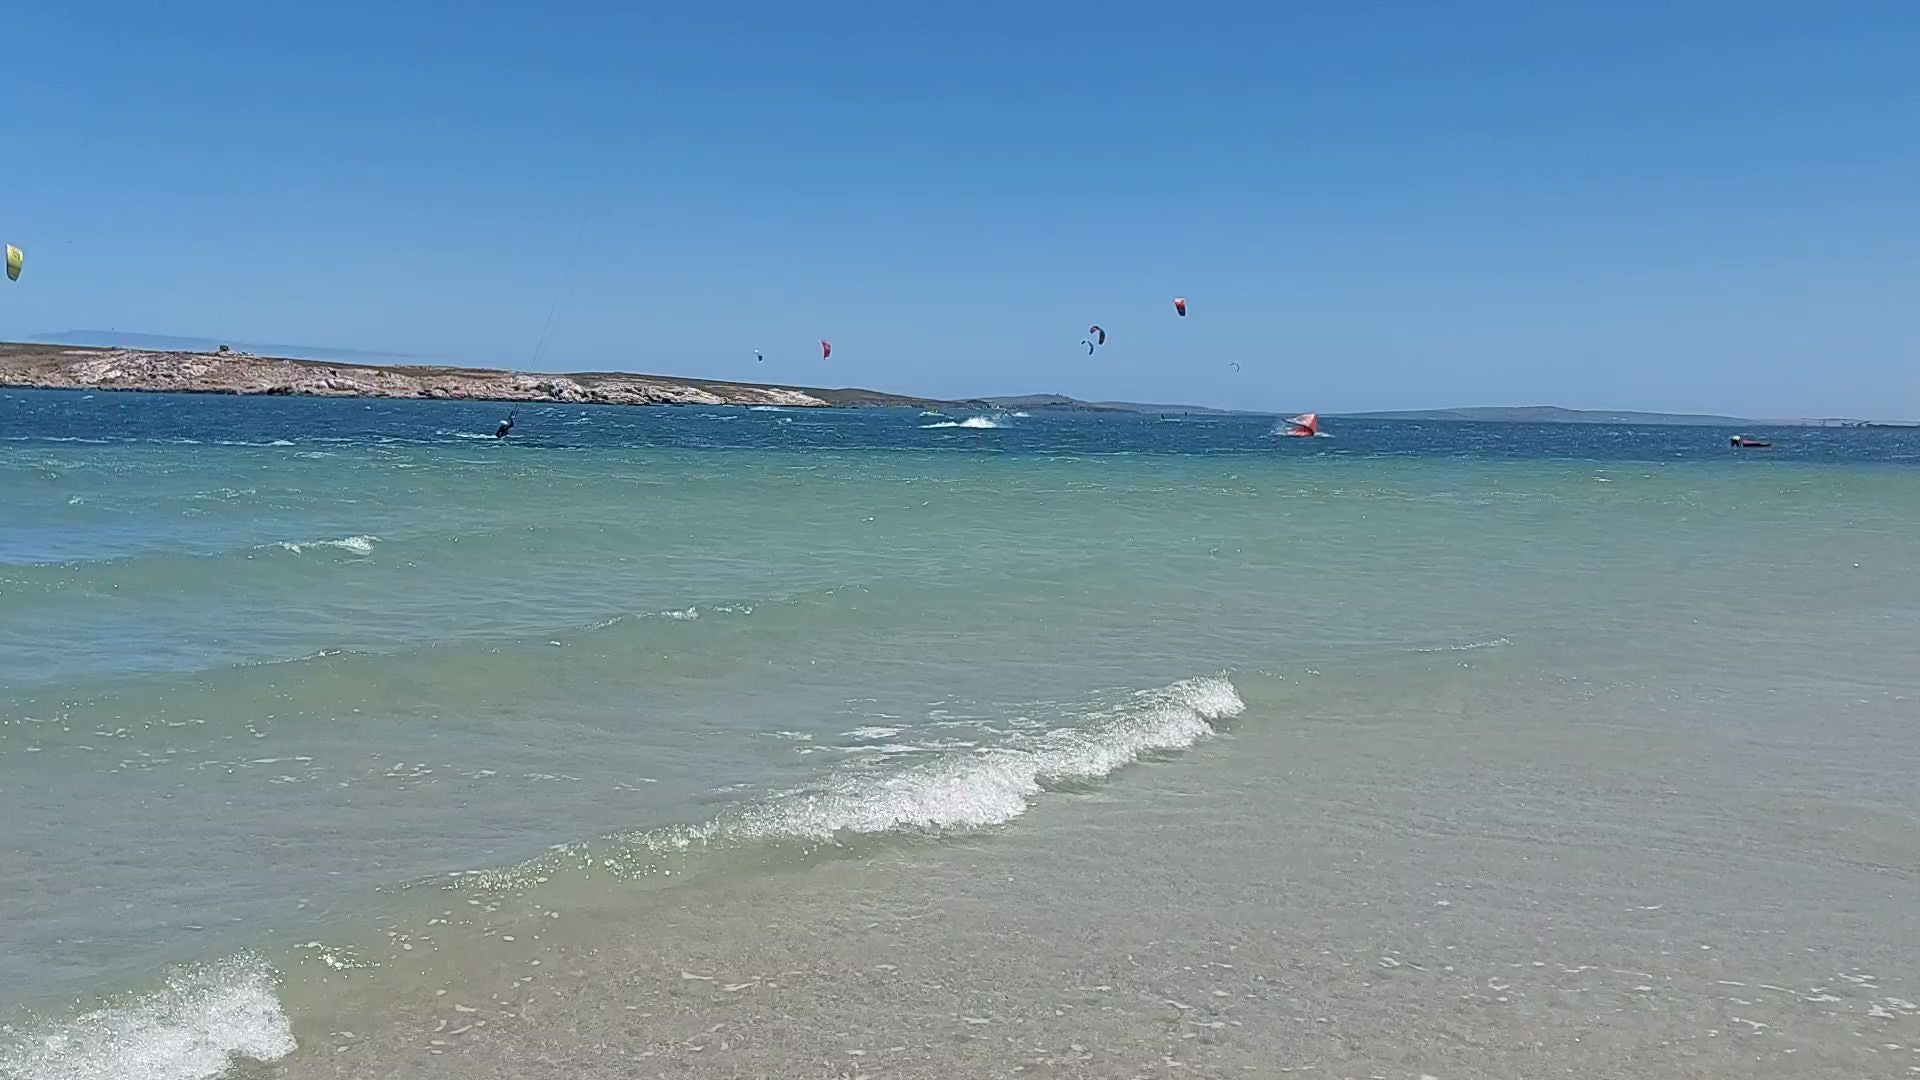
[{"x": 293, "y": 352}]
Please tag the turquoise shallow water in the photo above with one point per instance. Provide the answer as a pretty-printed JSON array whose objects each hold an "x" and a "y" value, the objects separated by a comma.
[{"x": 310, "y": 709}]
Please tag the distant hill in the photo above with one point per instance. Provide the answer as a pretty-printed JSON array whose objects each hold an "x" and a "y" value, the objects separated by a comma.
[
  {"x": 1528, "y": 414},
  {"x": 1062, "y": 401},
  {"x": 41, "y": 365},
  {"x": 1190, "y": 410},
  {"x": 1046, "y": 401}
]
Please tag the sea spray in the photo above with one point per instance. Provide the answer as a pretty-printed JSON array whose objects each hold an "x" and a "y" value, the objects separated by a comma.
[
  {"x": 192, "y": 1028},
  {"x": 999, "y": 420},
  {"x": 355, "y": 545}
]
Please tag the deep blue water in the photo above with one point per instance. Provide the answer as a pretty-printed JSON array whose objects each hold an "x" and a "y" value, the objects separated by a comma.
[{"x": 29, "y": 416}]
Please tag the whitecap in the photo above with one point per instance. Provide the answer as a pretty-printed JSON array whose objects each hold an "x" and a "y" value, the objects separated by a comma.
[
  {"x": 976, "y": 422},
  {"x": 357, "y": 545},
  {"x": 1468, "y": 646}
]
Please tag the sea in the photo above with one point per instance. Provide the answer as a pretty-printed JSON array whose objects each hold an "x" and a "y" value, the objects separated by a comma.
[{"x": 341, "y": 739}]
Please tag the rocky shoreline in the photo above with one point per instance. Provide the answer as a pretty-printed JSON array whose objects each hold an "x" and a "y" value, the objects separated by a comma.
[{"x": 62, "y": 367}]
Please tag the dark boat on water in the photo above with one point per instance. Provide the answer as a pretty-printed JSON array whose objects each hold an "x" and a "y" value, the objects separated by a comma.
[{"x": 1743, "y": 442}]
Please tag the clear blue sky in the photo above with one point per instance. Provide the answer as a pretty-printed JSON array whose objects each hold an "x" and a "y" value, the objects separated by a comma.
[{"x": 1709, "y": 206}]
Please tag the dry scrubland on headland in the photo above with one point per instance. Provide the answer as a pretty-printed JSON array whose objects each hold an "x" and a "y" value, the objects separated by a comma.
[{"x": 60, "y": 367}]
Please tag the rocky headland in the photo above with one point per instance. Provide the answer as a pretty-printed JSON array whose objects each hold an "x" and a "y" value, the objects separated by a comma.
[{"x": 64, "y": 367}]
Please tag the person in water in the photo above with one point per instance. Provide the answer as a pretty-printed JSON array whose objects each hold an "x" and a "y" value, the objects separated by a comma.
[{"x": 505, "y": 427}]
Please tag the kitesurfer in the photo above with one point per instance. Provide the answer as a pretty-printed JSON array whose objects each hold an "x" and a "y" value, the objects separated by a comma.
[{"x": 506, "y": 426}]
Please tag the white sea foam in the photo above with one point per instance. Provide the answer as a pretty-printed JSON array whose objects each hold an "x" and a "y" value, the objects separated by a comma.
[
  {"x": 54, "y": 438},
  {"x": 1467, "y": 646},
  {"x": 985, "y": 787},
  {"x": 970, "y": 422},
  {"x": 357, "y": 545},
  {"x": 685, "y": 614},
  {"x": 192, "y": 1028}
]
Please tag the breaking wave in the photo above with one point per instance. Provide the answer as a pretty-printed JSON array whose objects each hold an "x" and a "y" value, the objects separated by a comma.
[
  {"x": 949, "y": 791},
  {"x": 357, "y": 545},
  {"x": 192, "y": 1028},
  {"x": 979, "y": 788},
  {"x": 996, "y": 421}
]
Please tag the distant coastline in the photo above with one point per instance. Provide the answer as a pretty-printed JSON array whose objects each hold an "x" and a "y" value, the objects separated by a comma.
[
  {"x": 1523, "y": 414},
  {"x": 1062, "y": 401},
  {"x": 67, "y": 367},
  {"x": 62, "y": 366},
  {"x": 1554, "y": 414}
]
